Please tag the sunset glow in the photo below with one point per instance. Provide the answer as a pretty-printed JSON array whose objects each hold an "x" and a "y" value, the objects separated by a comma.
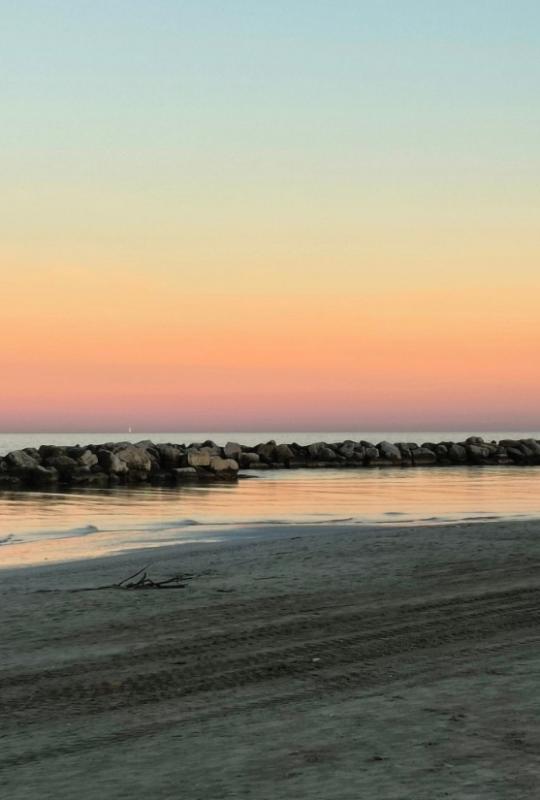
[{"x": 237, "y": 224}]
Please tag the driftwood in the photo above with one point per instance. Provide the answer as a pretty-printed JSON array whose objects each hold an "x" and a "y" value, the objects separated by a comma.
[
  {"x": 139, "y": 580},
  {"x": 144, "y": 582}
]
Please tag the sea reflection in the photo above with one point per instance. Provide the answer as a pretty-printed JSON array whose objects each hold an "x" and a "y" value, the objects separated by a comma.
[{"x": 50, "y": 526}]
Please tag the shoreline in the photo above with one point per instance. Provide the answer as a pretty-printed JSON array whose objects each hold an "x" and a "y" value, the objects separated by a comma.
[
  {"x": 331, "y": 662},
  {"x": 229, "y": 534}
]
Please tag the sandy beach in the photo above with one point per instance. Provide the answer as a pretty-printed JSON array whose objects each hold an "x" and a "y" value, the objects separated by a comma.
[{"x": 329, "y": 662}]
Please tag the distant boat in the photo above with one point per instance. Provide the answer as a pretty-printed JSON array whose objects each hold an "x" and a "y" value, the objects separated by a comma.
[{"x": 129, "y": 429}]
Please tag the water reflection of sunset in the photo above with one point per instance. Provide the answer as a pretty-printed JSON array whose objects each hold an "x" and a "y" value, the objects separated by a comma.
[{"x": 42, "y": 527}]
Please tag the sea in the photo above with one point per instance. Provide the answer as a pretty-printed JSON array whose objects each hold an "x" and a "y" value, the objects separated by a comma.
[{"x": 48, "y": 527}]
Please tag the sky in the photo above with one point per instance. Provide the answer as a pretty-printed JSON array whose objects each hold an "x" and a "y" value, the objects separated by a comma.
[{"x": 253, "y": 216}]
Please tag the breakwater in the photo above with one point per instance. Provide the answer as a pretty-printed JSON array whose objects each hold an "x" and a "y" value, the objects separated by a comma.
[{"x": 114, "y": 463}]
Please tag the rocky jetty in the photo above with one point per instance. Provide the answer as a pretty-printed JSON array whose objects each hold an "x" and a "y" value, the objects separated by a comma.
[{"x": 115, "y": 463}]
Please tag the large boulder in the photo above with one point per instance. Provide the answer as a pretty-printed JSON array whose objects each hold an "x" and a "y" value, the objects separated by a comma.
[
  {"x": 267, "y": 452},
  {"x": 88, "y": 459},
  {"x": 532, "y": 446},
  {"x": 347, "y": 449},
  {"x": 232, "y": 450},
  {"x": 478, "y": 453},
  {"x": 250, "y": 460},
  {"x": 171, "y": 455},
  {"x": 199, "y": 458},
  {"x": 48, "y": 450},
  {"x": 457, "y": 453},
  {"x": 423, "y": 457},
  {"x": 137, "y": 459},
  {"x": 223, "y": 466},
  {"x": 64, "y": 465},
  {"x": 21, "y": 461},
  {"x": 42, "y": 477},
  {"x": 283, "y": 454},
  {"x": 313, "y": 449},
  {"x": 389, "y": 451},
  {"x": 111, "y": 463},
  {"x": 371, "y": 455}
]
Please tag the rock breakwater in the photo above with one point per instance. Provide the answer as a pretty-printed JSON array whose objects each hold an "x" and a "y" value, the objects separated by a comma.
[{"x": 117, "y": 463}]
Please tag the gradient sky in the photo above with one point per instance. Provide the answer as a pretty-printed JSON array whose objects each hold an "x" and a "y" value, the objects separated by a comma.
[{"x": 289, "y": 215}]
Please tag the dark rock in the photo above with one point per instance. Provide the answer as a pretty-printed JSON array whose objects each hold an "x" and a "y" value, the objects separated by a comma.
[
  {"x": 21, "y": 461},
  {"x": 390, "y": 452},
  {"x": 64, "y": 465},
  {"x": 457, "y": 453},
  {"x": 423, "y": 457},
  {"x": 183, "y": 473},
  {"x": 110, "y": 462},
  {"x": 250, "y": 460},
  {"x": 371, "y": 455},
  {"x": 267, "y": 452},
  {"x": 171, "y": 456},
  {"x": 283, "y": 454}
]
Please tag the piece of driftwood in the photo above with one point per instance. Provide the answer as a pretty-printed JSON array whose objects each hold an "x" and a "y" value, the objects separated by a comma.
[
  {"x": 139, "y": 580},
  {"x": 144, "y": 582}
]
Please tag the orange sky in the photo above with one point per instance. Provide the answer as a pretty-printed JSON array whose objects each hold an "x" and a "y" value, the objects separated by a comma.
[{"x": 308, "y": 216}]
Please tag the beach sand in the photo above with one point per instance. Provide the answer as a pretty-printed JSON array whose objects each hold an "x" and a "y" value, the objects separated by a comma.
[{"x": 299, "y": 662}]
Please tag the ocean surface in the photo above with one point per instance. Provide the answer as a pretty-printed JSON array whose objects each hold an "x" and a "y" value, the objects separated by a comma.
[{"x": 38, "y": 527}]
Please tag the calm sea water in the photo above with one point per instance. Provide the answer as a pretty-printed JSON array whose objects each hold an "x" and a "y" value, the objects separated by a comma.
[{"x": 38, "y": 527}]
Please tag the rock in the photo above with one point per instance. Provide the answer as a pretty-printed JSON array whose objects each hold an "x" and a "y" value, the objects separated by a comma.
[
  {"x": 371, "y": 456},
  {"x": 283, "y": 454},
  {"x": 88, "y": 459},
  {"x": 233, "y": 450},
  {"x": 250, "y": 460},
  {"x": 457, "y": 453},
  {"x": 136, "y": 458},
  {"x": 347, "y": 449},
  {"x": 171, "y": 455},
  {"x": 517, "y": 455},
  {"x": 199, "y": 458},
  {"x": 180, "y": 473},
  {"x": 389, "y": 451},
  {"x": 441, "y": 451},
  {"x": 509, "y": 443},
  {"x": 223, "y": 465},
  {"x": 423, "y": 456},
  {"x": 20, "y": 460},
  {"x": 43, "y": 476},
  {"x": 478, "y": 453},
  {"x": 267, "y": 452},
  {"x": 110, "y": 462},
  {"x": 326, "y": 453},
  {"x": 532, "y": 445},
  {"x": 48, "y": 450},
  {"x": 313, "y": 449},
  {"x": 64, "y": 465}
]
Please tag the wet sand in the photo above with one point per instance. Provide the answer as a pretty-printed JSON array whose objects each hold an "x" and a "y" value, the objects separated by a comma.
[{"x": 298, "y": 662}]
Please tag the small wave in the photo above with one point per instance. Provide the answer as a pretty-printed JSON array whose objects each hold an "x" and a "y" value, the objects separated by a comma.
[
  {"x": 84, "y": 530},
  {"x": 7, "y": 539},
  {"x": 165, "y": 525}
]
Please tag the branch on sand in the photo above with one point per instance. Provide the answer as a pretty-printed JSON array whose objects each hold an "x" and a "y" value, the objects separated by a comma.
[
  {"x": 144, "y": 582},
  {"x": 139, "y": 580}
]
